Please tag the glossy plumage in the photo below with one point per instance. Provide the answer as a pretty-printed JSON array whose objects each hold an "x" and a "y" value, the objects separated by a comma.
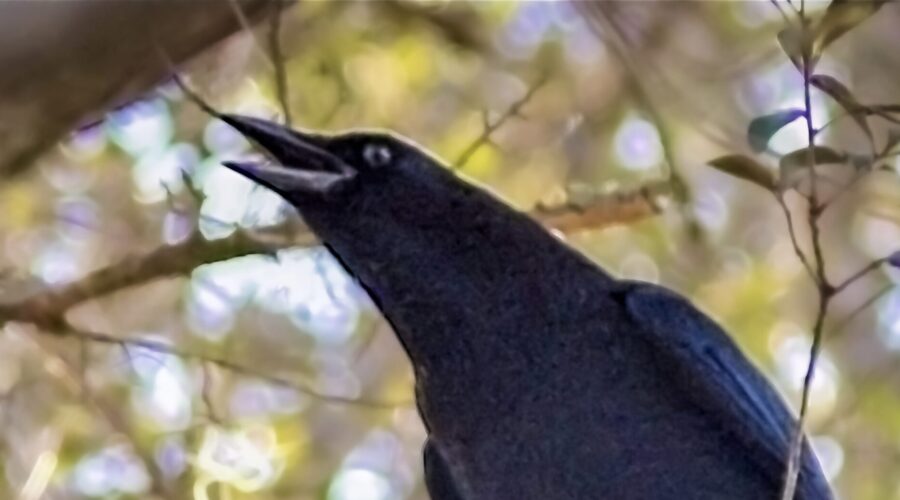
[{"x": 538, "y": 375}]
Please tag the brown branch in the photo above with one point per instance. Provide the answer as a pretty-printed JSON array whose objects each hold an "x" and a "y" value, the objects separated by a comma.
[
  {"x": 871, "y": 266},
  {"x": 611, "y": 34},
  {"x": 825, "y": 290},
  {"x": 47, "y": 309},
  {"x": 620, "y": 207}
]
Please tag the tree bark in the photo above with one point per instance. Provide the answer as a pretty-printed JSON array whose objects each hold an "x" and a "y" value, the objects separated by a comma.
[{"x": 67, "y": 63}]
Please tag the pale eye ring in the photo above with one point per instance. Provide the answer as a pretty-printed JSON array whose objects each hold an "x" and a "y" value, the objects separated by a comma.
[{"x": 377, "y": 155}]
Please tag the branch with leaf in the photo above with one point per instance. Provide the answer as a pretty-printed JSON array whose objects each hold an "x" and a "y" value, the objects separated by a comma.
[{"x": 804, "y": 42}]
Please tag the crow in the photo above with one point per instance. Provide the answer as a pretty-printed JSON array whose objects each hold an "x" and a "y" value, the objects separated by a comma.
[{"x": 538, "y": 374}]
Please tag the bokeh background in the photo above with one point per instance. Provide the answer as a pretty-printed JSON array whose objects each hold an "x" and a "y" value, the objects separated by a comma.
[{"x": 272, "y": 376}]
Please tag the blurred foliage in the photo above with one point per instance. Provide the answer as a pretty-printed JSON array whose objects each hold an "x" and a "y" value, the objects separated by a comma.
[{"x": 295, "y": 387}]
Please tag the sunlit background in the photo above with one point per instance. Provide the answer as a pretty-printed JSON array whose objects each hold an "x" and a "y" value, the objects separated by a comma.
[{"x": 87, "y": 420}]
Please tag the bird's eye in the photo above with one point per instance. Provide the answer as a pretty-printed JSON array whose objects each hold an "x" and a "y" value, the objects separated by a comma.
[{"x": 377, "y": 155}]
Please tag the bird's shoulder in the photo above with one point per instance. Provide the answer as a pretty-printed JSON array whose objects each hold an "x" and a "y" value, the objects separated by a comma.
[{"x": 718, "y": 375}]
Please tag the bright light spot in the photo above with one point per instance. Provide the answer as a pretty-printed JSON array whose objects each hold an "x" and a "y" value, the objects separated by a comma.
[
  {"x": 171, "y": 457},
  {"x": 791, "y": 348},
  {"x": 525, "y": 31},
  {"x": 639, "y": 266},
  {"x": 794, "y": 135},
  {"x": 830, "y": 454},
  {"x": 112, "y": 471},
  {"x": 77, "y": 219},
  {"x": 711, "y": 210},
  {"x": 877, "y": 236},
  {"x": 210, "y": 309},
  {"x": 39, "y": 477},
  {"x": 221, "y": 139},
  {"x": 85, "y": 143},
  {"x": 265, "y": 208},
  {"x": 637, "y": 144},
  {"x": 246, "y": 459},
  {"x": 360, "y": 484},
  {"x": 161, "y": 393},
  {"x": 308, "y": 284},
  {"x": 176, "y": 228},
  {"x": 56, "y": 264},
  {"x": 889, "y": 318},
  {"x": 158, "y": 172},
  {"x": 257, "y": 399},
  {"x": 141, "y": 127},
  {"x": 227, "y": 194}
]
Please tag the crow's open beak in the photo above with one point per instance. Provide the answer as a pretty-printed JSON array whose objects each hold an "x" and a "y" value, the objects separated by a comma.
[{"x": 303, "y": 164}]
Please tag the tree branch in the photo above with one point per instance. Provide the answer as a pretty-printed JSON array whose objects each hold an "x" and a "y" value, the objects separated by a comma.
[{"x": 48, "y": 308}]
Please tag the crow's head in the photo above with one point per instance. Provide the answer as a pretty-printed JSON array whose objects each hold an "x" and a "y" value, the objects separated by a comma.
[{"x": 339, "y": 171}]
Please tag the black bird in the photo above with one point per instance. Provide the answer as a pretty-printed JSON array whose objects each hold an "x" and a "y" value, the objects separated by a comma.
[{"x": 538, "y": 375}]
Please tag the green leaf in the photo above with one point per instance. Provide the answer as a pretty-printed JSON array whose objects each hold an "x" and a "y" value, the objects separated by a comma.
[
  {"x": 794, "y": 41},
  {"x": 762, "y": 129},
  {"x": 841, "y": 94},
  {"x": 797, "y": 161},
  {"x": 840, "y": 17},
  {"x": 744, "y": 167}
]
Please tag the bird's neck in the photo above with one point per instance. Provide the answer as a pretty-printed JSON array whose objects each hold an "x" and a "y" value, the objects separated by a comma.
[{"x": 471, "y": 290}]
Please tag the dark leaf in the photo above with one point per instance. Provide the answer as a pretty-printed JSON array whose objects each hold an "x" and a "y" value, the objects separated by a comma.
[
  {"x": 762, "y": 129},
  {"x": 894, "y": 259},
  {"x": 885, "y": 111},
  {"x": 797, "y": 161},
  {"x": 840, "y": 17},
  {"x": 792, "y": 43},
  {"x": 886, "y": 108},
  {"x": 860, "y": 162},
  {"x": 746, "y": 168},
  {"x": 841, "y": 94}
]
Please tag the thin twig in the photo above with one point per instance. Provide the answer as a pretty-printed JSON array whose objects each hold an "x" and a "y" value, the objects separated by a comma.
[
  {"x": 871, "y": 266},
  {"x": 490, "y": 128},
  {"x": 48, "y": 308},
  {"x": 232, "y": 366},
  {"x": 781, "y": 11},
  {"x": 839, "y": 327},
  {"x": 248, "y": 29},
  {"x": 281, "y": 81},
  {"x": 825, "y": 290},
  {"x": 619, "y": 45},
  {"x": 793, "y": 234}
]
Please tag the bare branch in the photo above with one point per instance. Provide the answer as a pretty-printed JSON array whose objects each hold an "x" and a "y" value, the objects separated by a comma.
[
  {"x": 871, "y": 266},
  {"x": 618, "y": 42},
  {"x": 839, "y": 328},
  {"x": 793, "y": 234},
  {"x": 281, "y": 81},
  {"x": 619, "y": 207},
  {"x": 47, "y": 309},
  {"x": 490, "y": 128},
  {"x": 226, "y": 364}
]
